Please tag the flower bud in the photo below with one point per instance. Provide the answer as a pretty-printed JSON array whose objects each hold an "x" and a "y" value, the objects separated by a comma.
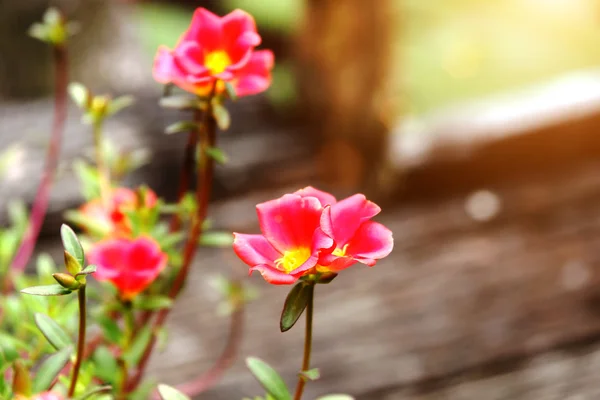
[{"x": 67, "y": 281}]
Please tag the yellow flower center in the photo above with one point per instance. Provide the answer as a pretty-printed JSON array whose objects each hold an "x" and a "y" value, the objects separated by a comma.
[
  {"x": 340, "y": 252},
  {"x": 217, "y": 61},
  {"x": 292, "y": 259}
]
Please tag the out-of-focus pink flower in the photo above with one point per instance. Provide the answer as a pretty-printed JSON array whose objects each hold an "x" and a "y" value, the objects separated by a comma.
[
  {"x": 129, "y": 264},
  {"x": 213, "y": 48},
  {"x": 47, "y": 396},
  {"x": 309, "y": 232},
  {"x": 112, "y": 219}
]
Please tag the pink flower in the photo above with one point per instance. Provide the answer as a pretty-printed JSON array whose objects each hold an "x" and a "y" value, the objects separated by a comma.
[
  {"x": 129, "y": 264},
  {"x": 47, "y": 396},
  {"x": 220, "y": 48},
  {"x": 112, "y": 219},
  {"x": 309, "y": 232}
]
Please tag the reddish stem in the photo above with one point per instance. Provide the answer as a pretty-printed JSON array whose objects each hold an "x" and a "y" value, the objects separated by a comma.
[
  {"x": 203, "y": 189},
  {"x": 40, "y": 204},
  {"x": 186, "y": 173}
]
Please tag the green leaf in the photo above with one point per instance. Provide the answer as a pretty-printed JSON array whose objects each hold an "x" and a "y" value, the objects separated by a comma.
[
  {"x": 230, "y": 90},
  {"x": 80, "y": 95},
  {"x": 94, "y": 392},
  {"x": 110, "y": 329},
  {"x": 216, "y": 239},
  {"x": 336, "y": 397},
  {"x": 90, "y": 269},
  {"x": 170, "y": 393},
  {"x": 49, "y": 369},
  {"x": 217, "y": 154},
  {"x": 268, "y": 378},
  {"x": 46, "y": 290},
  {"x": 295, "y": 303},
  {"x": 311, "y": 374},
  {"x": 71, "y": 243},
  {"x": 119, "y": 104},
  {"x": 152, "y": 303},
  {"x": 180, "y": 102},
  {"x": 181, "y": 126},
  {"x": 221, "y": 115},
  {"x": 52, "y": 16},
  {"x": 107, "y": 368},
  {"x": 38, "y": 31},
  {"x": 57, "y": 337},
  {"x": 136, "y": 350}
]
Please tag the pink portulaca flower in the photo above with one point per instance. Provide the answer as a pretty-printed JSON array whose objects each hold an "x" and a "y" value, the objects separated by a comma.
[
  {"x": 111, "y": 219},
  {"x": 129, "y": 264},
  {"x": 47, "y": 396},
  {"x": 309, "y": 232},
  {"x": 215, "y": 48}
]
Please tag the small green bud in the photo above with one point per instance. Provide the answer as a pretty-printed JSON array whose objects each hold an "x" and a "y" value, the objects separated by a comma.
[
  {"x": 72, "y": 264},
  {"x": 66, "y": 281}
]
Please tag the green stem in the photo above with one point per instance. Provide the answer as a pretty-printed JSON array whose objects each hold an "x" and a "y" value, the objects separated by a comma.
[
  {"x": 307, "y": 343},
  {"x": 80, "y": 340},
  {"x": 103, "y": 171}
]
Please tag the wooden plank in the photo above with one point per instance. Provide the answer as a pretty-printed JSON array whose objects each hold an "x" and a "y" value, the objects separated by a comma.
[{"x": 456, "y": 294}]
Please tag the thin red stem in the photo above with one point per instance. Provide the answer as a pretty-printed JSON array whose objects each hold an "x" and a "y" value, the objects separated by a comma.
[
  {"x": 186, "y": 172},
  {"x": 40, "y": 204},
  {"x": 203, "y": 190}
]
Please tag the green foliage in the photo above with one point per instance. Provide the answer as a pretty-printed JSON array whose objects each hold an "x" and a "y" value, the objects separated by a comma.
[
  {"x": 295, "y": 303},
  {"x": 221, "y": 115},
  {"x": 47, "y": 290},
  {"x": 216, "y": 239},
  {"x": 72, "y": 245},
  {"x": 49, "y": 369},
  {"x": 55, "y": 335},
  {"x": 311, "y": 374},
  {"x": 181, "y": 126},
  {"x": 217, "y": 154},
  {"x": 268, "y": 378},
  {"x": 152, "y": 303}
]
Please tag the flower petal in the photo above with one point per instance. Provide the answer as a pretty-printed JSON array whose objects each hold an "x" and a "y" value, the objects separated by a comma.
[
  {"x": 255, "y": 76},
  {"x": 273, "y": 275},
  {"x": 254, "y": 249},
  {"x": 165, "y": 69},
  {"x": 324, "y": 197},
  {"x": 206, "y": 28},
  {"x": 371, "y": 242},
  {"x": 190, "y": 57},
  {"x": 289, "y": 222},
  {"x": 342, "y": 220},
  {"x": 239, "y": 36}
]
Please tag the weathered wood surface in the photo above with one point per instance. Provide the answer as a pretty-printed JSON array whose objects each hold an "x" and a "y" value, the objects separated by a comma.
[{"x": 458, "y": 300}]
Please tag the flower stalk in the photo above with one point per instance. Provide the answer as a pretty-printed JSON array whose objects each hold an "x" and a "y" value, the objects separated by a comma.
[
  {"x": 42, "y": 197},
  {"x": 80, "y": 340},
  {"x": 307, "y": 343},
  {"x": 207, "y": 139}
]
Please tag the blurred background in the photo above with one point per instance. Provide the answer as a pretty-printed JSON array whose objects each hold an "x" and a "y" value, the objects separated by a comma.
[{"x": 473, "y": 123}]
